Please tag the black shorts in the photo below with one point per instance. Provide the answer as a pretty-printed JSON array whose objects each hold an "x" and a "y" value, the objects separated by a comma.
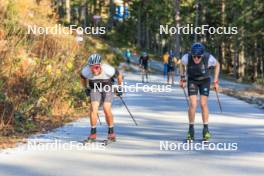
[
  {"x": 145, "y": 66},
  {"x": 171, "y": 69},
  {"x": 202, "y": 85}
]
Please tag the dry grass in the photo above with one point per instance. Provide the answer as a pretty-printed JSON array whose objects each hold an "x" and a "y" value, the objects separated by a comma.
[
  {"x": 38, "y": 72},
  {"x": 39, "y": 86}
]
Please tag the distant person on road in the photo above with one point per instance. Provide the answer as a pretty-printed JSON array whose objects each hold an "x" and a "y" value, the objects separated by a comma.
[
  {"x": 165, "y": 59},
  {"x": 143, "y": 64},
  {"x": 172, "y": 61},
  {"x": 94, "y": 76},
  {"x": 127, "y": 56},
  {"x": 197, "y": 64}
]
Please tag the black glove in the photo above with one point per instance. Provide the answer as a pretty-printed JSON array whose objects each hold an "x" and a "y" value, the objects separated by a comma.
[
  {"x": 87, "y": 92},
  {"x": 119, "y": 91}
]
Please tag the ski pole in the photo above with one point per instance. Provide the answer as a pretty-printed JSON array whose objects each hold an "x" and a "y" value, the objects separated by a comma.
[
  {"x": 141, "y": 73},
  {"x": 147, "y": 76},
  {"x": 218, "y": 100},
  {"x": 128, "y": 110},
  {"x": 185, "y": 94},
  {"x": 99, "y": 119},
  {"x": 98, "y": 116}
]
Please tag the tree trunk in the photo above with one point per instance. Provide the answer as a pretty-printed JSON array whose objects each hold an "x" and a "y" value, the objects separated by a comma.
[
  {"x": 111, "y": 16},
  {"x": 196, "y": 18},
  {"x": 83, "y": 14},
  {"x": 228, "y": 56},
  {"x": 124, "y": 6},
  {"x": 94, "y": 7},
  {"x": 139, "y": 26},
  {"x": 222, "y": 47},
  {"x": 236, "y": 64},
  {"x": 255, "y": 63},
  {"x": 147, "y": 31},
  {"x": 241, "y": 63},
  {"x": 203, "y": 7},
  {"x": 68, "y": 10},
  {"x": 89, "y": 12},
  {"x": 177, "y": 20},
  {"x": 262, "y": 68},
  {"x": 60, "y": 9}
]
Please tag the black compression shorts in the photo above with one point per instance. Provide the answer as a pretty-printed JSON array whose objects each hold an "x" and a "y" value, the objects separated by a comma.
[
  {"x": 145, "y": 66},
  {"x": 171, "y": 69},
  {"x": 203, "y": 86}
]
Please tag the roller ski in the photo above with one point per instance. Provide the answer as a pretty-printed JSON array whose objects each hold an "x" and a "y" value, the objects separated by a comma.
[
  {"x": 206, "y": 135},
  {"x": 190, "y": 136},
  {"x": 92, "y": 137},
  {"x": 110, "y": 138}
]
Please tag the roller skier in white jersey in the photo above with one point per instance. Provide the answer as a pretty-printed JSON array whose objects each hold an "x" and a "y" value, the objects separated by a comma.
[{"x": 94, "y": 75}]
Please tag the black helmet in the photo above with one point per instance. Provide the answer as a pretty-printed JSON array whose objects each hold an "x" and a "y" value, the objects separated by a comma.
[{"x": 197, "y": 49}]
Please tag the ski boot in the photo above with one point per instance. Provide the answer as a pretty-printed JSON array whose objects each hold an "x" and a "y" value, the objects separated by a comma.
[
  {"x": 206, "y": 135},
  {"x": 190, "y": 137},
  {"x": 91, "y": 138},
  {"x": 111, "y": 137}
]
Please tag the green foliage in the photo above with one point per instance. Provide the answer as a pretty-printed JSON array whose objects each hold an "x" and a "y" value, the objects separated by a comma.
[
  {"x": 260, "y": 81},
  {"x": 142, "y": 30},
  {"x": 2, "y": 95},
  {"x": 11, "y": 12}
]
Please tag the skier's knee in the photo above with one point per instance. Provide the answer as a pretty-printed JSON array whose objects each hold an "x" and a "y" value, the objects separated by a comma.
[
  {"x": 94, "y": 112},
  {"x": 193, "y": 105},
  {"x": 203, "y": 104},
  {"x": 107, "y": 109},
  {"x": 108, "y": 112}
]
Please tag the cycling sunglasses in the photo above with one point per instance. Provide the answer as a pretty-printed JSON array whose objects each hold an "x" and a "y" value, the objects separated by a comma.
[{"x": 198, "y": 57}]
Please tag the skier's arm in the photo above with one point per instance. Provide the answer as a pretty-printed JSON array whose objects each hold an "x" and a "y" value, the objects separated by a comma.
[
  {"x": 213, "y": 62},
  {"x": 182, "y": 82},
  {"x": 83, "y": 81},
  {"x": 216, "y": 76},
  {"x": 175, "y": 61},
  {"x": 119, "y": 78},
  {"x": 182, "y": 69},
  {"x": 216, "y": 72},
  {"x": 178, "y": 61},
  {"x": 183, "y": 63}
]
